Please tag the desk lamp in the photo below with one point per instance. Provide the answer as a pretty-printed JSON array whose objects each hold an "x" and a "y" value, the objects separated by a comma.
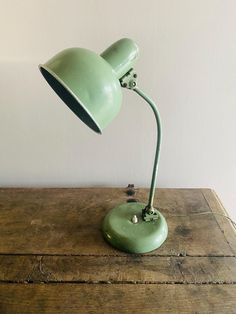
[{"x": 90, "y": 85}]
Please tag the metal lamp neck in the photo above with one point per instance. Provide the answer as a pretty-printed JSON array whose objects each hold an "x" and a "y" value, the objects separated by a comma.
[{"x": 129, "y": 81}]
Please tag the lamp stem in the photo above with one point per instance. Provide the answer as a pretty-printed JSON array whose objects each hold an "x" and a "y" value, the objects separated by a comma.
[{"x": 158, "y": 146}]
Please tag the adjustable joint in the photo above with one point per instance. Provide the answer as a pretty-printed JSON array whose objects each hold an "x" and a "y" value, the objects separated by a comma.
[
  {"x": 129, "y": 80},
  {"x": 149, "y": 213}
]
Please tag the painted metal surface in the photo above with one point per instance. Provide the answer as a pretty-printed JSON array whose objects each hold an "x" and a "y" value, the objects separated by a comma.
[
  {"x": 122, "y": 56},
  {"x": 87, "y": 84},
  {"x": 129, "y": 80},
  {"x": 151, "y": 230},
  {"x": 158, "y": 145},
  {"x": 90, "y": 85},
  {"x": 141, "y": 237}
]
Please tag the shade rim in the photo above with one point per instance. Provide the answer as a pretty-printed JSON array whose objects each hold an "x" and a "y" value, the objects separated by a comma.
[{"x": 42, "y": 66}]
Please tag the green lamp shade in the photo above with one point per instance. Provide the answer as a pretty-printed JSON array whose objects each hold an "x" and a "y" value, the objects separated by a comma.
[{"x": 88, "y": 83}]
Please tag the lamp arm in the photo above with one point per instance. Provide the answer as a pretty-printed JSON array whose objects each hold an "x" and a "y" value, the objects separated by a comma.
[{"x": 149, "y": 207}]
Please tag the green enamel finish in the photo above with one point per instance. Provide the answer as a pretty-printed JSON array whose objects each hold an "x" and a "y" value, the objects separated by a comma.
[
  {"x": 142, "y": 237},
  {"x": 87, "y": 84},
  {"x": 158, "y": 144},
  {"x": 122, "y": 56}
]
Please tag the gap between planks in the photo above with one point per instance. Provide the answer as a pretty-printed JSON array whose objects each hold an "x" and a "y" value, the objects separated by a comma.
[
  {"x": 115, "y": 255},
  {"x": 104, "y": 282}
]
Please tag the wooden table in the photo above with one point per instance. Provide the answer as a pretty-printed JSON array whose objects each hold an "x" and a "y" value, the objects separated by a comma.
[{"x": 53, "y": 258}]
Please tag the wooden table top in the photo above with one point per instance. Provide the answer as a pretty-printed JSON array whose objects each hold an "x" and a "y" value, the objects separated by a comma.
[{"x": 53, "y": 258}]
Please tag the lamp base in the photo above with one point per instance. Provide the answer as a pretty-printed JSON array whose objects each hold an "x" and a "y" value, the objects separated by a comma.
[{"x": 125, "y": 229}]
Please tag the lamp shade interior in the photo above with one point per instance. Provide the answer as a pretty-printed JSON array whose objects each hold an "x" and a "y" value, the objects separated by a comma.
[{"x": 70, "y": 100}]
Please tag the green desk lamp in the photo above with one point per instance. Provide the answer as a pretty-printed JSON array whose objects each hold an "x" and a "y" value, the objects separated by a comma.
[{"x": 90, "y": 85}]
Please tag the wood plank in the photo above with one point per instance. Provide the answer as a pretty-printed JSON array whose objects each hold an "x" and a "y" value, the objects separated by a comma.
[
  {"x": 225, "y": 225},
  {"x": 68, "y": 221},
  {"x": 75, "y": 271},
  {"x": 116, "y": 298},
  {"x": 130, "y": 269}
]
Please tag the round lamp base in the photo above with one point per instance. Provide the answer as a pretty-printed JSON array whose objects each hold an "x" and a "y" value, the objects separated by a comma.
[{"x": 125, "y": 229}]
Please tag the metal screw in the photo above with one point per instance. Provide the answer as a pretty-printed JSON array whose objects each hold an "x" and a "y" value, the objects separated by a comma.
[
  {"x": 150, "y": 211},
  {"x": 134, "y": 219}
]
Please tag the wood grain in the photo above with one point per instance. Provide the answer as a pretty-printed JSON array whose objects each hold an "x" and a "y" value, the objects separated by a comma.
[
  {"x": 53, "y": 258},
  {"x": 130, "y": 269},
  {"x": 125, "y": 298},
  {"x": 224, "y": 224},
  {"x": 68, "y": 221}
]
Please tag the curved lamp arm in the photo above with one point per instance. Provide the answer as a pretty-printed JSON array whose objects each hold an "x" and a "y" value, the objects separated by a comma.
[
  {"x": 129, "y": 81},
  {"x": 149, "y": 207}
]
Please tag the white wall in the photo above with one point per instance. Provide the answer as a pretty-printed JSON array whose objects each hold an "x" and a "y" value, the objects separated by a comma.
[{"x": 187, "y": 64}]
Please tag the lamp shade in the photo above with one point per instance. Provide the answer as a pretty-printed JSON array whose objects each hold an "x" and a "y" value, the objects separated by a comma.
[{"x": 88, "y": 83}]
